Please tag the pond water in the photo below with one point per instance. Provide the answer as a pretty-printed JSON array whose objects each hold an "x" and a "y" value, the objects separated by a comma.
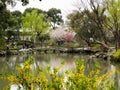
[{"x": 54, "y": 60}]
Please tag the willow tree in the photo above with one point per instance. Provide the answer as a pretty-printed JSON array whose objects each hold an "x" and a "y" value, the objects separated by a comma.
[{"x": 35, "y": 24}]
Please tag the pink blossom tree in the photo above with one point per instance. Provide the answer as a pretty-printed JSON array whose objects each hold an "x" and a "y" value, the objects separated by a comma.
[
  {"x": 60, "y": 36},
  {"x": 69, "y": 36}
]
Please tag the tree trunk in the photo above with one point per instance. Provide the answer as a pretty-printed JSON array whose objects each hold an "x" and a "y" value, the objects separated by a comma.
[{"x": 104, "y": 45}]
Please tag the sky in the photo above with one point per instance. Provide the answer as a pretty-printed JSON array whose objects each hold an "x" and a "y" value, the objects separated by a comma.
[{"x": 66, "y": 6}]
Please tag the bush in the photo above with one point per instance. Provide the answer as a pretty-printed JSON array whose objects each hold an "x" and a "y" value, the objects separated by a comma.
[
  {"x": 116, "y": 55},
  {"x": 51, "y": 79},
  {"x": 26, "y": 44},
  {"x": 71, "y": 45}
]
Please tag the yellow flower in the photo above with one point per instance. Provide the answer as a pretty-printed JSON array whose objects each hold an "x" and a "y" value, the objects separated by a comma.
[
  {"x": 60, "y": 67},
  {"x": 71, "y": 73},
  {"x": 116, "y": 55},
  {"x": 27, "y": 67},
  {"x": 43, "y": 77},
  {"x": 82, "y": 68}
]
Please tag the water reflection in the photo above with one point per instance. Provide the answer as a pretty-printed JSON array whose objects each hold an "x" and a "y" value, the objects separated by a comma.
[{"x": 54, "y": 60}]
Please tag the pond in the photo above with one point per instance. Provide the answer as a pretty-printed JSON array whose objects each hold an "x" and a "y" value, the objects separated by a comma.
[{"x": 8, "y": 64}]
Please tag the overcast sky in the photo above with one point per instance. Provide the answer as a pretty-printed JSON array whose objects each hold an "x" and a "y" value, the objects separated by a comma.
[{"x": 66, "y": 6}]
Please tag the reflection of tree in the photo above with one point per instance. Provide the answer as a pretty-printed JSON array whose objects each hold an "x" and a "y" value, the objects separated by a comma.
[
  {"x": 9, "y": 63},
  {"x": 3, "y": 65},
  {"x": 54, "y": 60},
  {"x": 89, "y": 65},
  {"x": 95, "y": 64}
]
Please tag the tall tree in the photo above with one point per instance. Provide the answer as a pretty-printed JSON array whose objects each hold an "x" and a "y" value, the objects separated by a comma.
[
  {"x": 55, "y": 17},
  {"x": 113, "y": 10},
  {"x": 7, "y": 21},
  {"x": 35, "y": 23},
  {"x": 29, "y": 10},
  {"x": 18, "y": 16},
  {"x": 98, "y": 8},
  {"x": 84, "y": 26}
]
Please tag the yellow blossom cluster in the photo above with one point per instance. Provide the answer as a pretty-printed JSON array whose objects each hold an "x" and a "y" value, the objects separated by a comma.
[
  {"x": 53, "y": 80},
  {"x": 116, "y": 55}
]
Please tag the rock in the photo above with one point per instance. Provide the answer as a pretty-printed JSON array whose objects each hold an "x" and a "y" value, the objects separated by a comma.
[{"x": 63, "y": 50}]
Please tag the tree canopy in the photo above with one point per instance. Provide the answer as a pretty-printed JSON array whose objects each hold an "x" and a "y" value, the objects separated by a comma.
[
  {"x": 29, "y": 10},
  {"x": 114, "y": 19},
  {"x": 55, "y": 17},
  {"x": 35, "y": 23}
]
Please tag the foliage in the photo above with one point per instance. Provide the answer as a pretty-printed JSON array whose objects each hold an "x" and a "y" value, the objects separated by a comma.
[
  {"x": 55, "y": 17},
  {"x": 96, "y": 47},
  {"x": 2, "y": 42},
  {"x": 114, "y": 20},
  {"x": 35, "y": 24},
  {"x": 17, "y": 26},
  {"x": 18, "y": 15},
  {"x": 84, "y": 26},
  {"x": 7, "y": 21},
  {"x": 116, "y": 55},
  {"x": 29, "y": 10},
  {"x": 69, "y": 80},
  {"x": 71, "y": 45},
  {"x": 102, "y": 16},
  {"x": 91, "y": 20}
]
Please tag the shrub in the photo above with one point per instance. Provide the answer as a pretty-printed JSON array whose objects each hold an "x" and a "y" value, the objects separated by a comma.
[
  {"x": 116, "y": 55},
  {"x": 51, "y": 79}
]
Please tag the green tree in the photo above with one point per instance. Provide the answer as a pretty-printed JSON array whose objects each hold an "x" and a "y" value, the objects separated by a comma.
[
  {"x": 114, "y": 19},
  {"x": 84, "y": 26},
  {"x": 18, "y": 16},
  {"x": 35, "y": 24},
  {"x": 29, "y": 10},
  {"x": 13, "y": 33},
  {"x": 7, "y": 21},
  {"x": 55, "y": 17},
  {"x": 98, "y": 9}
]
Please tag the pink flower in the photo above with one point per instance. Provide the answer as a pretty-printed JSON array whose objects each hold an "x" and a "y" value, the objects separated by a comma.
[
  {"x": 62, "y": 35},
  {"x": 69, "y": 36}
]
